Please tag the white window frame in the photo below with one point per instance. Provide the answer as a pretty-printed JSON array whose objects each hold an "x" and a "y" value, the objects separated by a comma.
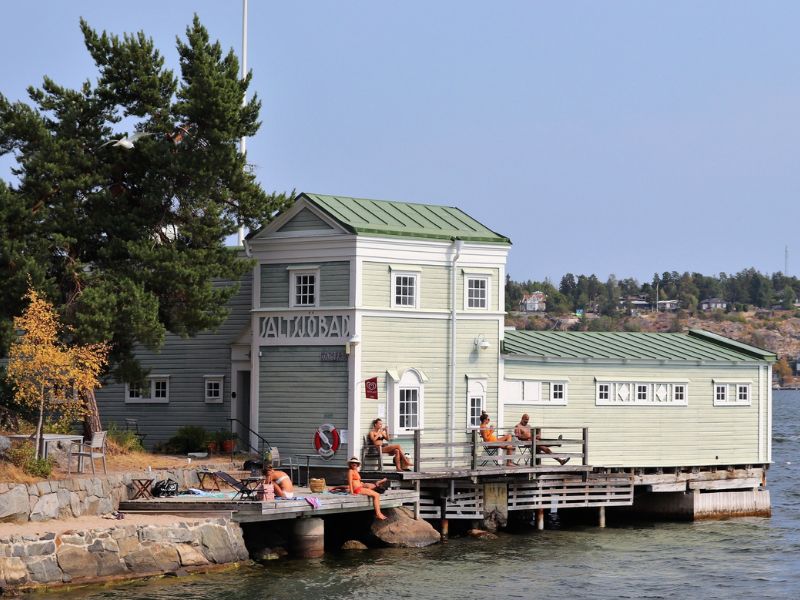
[
  {"x": 732, "y": 388},
  {"x": 476, "y": 390},
  {"x": 416, "y": 276},
  {"x": 487, "y": 280},
  {"x": 562, "y": 401},
  {"x": 650, "y": 390},
  {"x": 151, "y": 399},
  {"x": 218, "y": 379},
  {"x": 294, "y": 273},
  {"x": 411, "y": 379},
  {"x": 529, "y": 392}
]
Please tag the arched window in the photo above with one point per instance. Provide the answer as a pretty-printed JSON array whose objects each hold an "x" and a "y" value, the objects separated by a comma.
[{"x": 407, "y": 396}]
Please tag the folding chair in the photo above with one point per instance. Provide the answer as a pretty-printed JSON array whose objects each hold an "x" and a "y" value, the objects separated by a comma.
[
  {"x": 242, "y": 491},
  {"x": 370, "y": 451},
  {"x": 91, "y": 450}
]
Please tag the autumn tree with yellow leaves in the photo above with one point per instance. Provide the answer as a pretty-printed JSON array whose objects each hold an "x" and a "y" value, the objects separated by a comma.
[{"x": 49, "y": 375}]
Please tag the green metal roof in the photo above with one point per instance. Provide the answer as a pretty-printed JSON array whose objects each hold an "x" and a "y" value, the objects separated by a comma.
[
  {"x": 406, "y": 219},
  {"x": 695, "y": 345}
]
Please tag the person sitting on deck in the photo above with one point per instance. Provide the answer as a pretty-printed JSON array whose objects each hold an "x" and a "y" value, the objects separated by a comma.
[
  {"x": 281, "y": 481},
  {"x": 522, "y": 432},
  {"x": 366, "y": 489},
  {"x": 488, "y": 435},
  {"x": 379, "y": 436}
]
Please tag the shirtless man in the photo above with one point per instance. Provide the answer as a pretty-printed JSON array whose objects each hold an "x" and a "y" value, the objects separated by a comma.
[
  {"x": 280, "y": 480},
  {"x": 522, "y": 432}
]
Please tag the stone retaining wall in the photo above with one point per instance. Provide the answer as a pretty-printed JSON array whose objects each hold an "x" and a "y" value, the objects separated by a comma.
[
  {"x": 119, "y": 552},
  {"x": 66, "y": 498}
]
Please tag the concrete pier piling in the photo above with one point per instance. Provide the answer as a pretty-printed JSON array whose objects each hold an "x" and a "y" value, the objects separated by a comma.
[{"x": 308, "y": 538}]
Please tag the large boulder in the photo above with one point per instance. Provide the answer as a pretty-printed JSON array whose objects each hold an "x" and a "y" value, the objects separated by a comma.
[
  {"x": 401, "y": 530},
  {"x": 15, "y": 505}
]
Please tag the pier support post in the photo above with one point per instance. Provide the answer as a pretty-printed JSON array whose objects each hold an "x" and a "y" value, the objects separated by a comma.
[
  {"x": 540, "y": 519},
  {"x": 602, "y": 517},
  {"x": 308, "y": 538}
]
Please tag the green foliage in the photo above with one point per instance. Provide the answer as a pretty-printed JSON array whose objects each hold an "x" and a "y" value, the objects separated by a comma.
[
  {"x": 24, "y": 456},
  {"x": 189, "y": 438},
  {"x": 127, "y": 241},
  {"x": 126, "y": 441}
]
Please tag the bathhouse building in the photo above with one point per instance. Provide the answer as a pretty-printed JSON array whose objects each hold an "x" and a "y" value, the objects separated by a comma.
[{"x": 357, "y": 309}]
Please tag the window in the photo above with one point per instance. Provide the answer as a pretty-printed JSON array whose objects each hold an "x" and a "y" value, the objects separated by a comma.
[
  {"x": 303, "y": 285},
  {"x": 720, "y": 393},
  {"x": 659, "y": 393},
  {"x": 214, "y": 388},
  {"x": 476, "y": 398},
  {"x": 558, "y": 392},
  {"x": 476, "y": 292},
  {"x": 732, "y": 393},
  {"x": 679, "y": 393},
  {"x": 407, "y": 399},
  {"x": 157, "y": 390},
  {"x": 405, "y": 290},
  {"x": 409, "y": 408},
  {"x": 743, "y": 393}
]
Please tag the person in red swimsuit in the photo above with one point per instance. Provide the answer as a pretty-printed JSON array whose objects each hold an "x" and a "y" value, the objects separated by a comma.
[{"x": 366, "y": 489}]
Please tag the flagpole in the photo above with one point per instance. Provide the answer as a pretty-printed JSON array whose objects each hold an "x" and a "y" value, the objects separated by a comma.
[{"x": 243, "y": 141}]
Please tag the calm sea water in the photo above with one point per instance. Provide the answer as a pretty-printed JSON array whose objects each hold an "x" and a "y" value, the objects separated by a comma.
[{"x": 736, "y": 558}]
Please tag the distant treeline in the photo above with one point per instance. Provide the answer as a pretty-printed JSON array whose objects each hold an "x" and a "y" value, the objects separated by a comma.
[{"x": 745, "y": 289}]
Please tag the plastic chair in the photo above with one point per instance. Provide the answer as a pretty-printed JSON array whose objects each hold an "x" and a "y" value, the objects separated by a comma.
[{"x": 91, "y": 450}]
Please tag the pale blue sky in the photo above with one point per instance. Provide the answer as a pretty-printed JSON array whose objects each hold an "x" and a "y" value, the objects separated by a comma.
[{"x": 613, "y": 137}]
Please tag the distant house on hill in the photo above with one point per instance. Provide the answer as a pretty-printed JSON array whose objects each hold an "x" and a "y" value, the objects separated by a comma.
[
  {"x": 713, "y": 303},
  {"x": 535, "y": 302},
  {"x": 668, "y": 305}
]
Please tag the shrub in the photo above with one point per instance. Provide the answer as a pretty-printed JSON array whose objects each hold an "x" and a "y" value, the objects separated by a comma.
[
  {"x": 22, "y": 455},
  {"x": 189, "y": 438},
  {"x": 123, "y": 441}
]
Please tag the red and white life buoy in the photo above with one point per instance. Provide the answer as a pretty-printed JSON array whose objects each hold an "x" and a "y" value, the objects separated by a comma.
[{"x": 326, "y": 440}]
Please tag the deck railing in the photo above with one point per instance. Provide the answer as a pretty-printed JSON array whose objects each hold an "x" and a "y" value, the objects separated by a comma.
[{"x": 468, "y": 451}]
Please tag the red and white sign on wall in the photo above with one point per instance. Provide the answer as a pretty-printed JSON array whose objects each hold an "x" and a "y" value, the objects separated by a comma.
[{"x": 371, "y": 388}]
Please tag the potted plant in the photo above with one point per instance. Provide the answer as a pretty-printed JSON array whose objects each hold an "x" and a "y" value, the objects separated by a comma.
[
  {"x": 211, "y": 444},
  {"x": 226, "y": 440}
]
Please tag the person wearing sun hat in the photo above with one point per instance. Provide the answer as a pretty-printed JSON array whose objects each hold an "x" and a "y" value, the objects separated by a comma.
[{"x": 356, "y": 486}]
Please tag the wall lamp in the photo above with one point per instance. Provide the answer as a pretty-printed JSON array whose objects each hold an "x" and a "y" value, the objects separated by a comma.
[
  {"x": 481, "y": 343},
  {"x": 353, "y": 341}
]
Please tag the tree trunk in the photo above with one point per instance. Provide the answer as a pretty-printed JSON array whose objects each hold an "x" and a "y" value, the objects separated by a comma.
[
  {"x": 39, "y": 424},
  {"x": 91, "y": 420}
]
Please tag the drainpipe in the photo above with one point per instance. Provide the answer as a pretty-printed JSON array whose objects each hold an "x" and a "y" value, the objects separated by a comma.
[{"x": 451, "y": 425}]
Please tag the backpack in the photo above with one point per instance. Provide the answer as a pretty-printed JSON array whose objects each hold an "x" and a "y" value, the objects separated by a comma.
[{"x": 165, "y": 489}]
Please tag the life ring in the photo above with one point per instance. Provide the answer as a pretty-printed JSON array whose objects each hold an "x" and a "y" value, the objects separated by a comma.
[{"x": 326, "y": 440}]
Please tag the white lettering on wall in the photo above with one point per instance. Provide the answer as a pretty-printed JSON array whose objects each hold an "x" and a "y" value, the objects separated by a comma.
[{"x": 305, "y": 326}]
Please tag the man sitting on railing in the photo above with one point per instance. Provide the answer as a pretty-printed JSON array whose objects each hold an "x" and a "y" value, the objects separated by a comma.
[
  {"x": 488, "y": 435},
  {"x": 522, "y": 431}
]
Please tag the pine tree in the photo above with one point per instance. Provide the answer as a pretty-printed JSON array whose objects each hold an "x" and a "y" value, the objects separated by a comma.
[{"x": 127, "y": 236}]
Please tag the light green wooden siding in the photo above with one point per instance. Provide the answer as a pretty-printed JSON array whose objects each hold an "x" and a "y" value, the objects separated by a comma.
[
  {"x": 298, "y": 392},
  {"x": 334, "y": 285},
  {"x": 643, "y": 436},
  {"x": 401, "y": 343},
  {"x": 434, "y": 286},
  {"x": 305, "y": 220}
]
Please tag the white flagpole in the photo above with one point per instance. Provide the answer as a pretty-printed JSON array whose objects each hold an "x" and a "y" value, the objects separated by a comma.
[{"x": 243, "y": 142}]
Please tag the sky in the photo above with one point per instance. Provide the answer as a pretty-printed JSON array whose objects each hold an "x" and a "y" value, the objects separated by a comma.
[{"x": 601, "y": 137}]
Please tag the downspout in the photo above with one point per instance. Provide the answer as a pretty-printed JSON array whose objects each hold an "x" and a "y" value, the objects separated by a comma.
[{"x": 457, "y": 247}]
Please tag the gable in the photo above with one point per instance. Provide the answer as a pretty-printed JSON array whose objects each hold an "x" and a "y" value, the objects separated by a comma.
[{"x": 304, "y": 220}]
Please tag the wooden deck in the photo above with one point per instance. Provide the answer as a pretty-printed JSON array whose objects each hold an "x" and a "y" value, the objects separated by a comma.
[{"x": 248, "y": 511}]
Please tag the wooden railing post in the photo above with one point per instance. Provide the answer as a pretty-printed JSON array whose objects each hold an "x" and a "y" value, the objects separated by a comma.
[
  {"x": 534, "y": 433},
  {"x": 474, "y": 449},
  {"x": 585, "y": 445},
  {"x": 417, "y": 449}
]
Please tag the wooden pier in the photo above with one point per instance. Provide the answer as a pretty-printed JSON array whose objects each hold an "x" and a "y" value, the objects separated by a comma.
[{"x": 249, "y": 511}]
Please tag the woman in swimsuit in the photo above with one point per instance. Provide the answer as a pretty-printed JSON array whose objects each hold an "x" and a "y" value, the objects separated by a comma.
[
  {"x": 360, "y": 487},
  {"x": 379, "y": 436},
  {"x": 281, "y": 481},
  {"x": 488, "y": 435}
]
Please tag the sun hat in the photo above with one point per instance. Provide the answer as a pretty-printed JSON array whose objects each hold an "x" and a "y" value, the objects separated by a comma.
[{"x": 354, "y": 459}]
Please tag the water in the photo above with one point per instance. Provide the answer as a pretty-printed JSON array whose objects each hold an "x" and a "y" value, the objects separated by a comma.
[{"x": 728, "y": 559}]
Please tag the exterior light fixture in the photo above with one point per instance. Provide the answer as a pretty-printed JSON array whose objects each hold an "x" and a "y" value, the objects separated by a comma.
[{"x": 481, "y": 343}]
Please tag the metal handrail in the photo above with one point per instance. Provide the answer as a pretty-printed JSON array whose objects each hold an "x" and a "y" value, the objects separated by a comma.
[{"x": 264, "y": 440}]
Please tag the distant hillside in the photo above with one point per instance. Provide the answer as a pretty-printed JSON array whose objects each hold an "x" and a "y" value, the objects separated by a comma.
[{"x": 777, "y": 330}]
